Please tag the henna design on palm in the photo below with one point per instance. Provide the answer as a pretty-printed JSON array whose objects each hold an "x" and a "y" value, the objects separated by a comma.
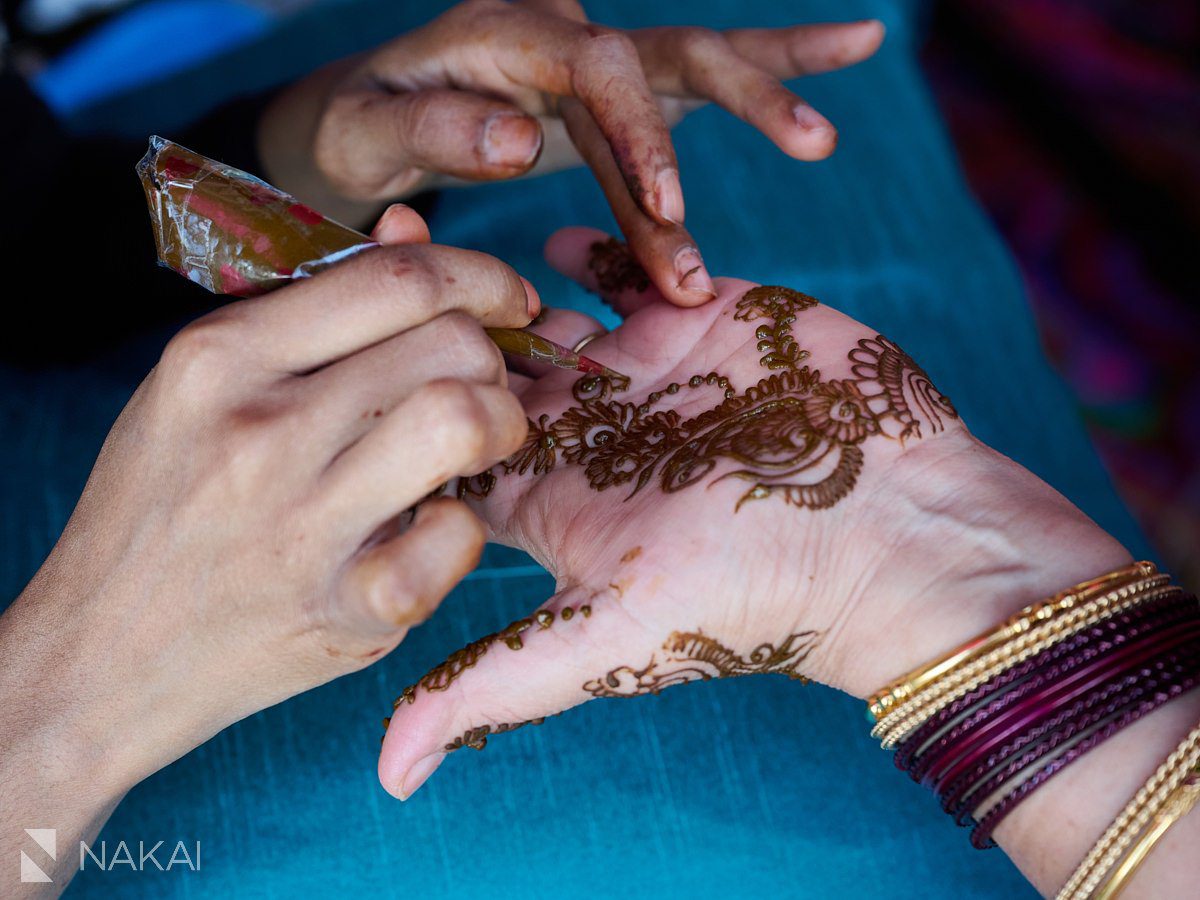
[{"x": 791, "y": 435}]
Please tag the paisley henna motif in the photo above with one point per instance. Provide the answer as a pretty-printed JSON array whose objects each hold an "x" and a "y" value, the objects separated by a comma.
[
  {"x": 696, "y": 657},
  {"x": 792, "y": 435}
]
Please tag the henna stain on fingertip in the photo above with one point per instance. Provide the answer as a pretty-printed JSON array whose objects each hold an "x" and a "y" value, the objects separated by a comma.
[{"x": 616, "y": 269}]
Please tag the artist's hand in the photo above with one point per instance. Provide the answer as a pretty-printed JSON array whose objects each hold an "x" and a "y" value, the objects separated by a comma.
[
  {"x": 492, "y": 90},
  {"x": 241, "y": 538},
  {"x": 823, "y": 514}
]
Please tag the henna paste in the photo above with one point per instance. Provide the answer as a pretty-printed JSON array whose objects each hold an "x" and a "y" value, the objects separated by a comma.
[{"x": 694, "y": 656}]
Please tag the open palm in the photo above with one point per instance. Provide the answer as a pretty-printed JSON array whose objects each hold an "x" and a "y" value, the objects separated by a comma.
[{"x": 737, "y": 509}]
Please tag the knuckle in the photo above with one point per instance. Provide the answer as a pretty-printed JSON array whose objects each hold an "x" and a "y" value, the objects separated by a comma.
[
  {"x": 421, "y": 112},
  {"x": 695, "y": 41},
  {"x": 473, "y": 353},
  {"x": 411, "y": 271},
  {"x": 608, "y": 42},
  {"x": 460, "y": 419},
  {"x": 200, "y": 356}
]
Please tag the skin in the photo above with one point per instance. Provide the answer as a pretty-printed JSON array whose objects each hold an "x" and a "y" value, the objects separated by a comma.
[
  {"x": 939, "y": 539},
  {"x": 242, "y": 537},
  {"x": 492, "y": 90}
]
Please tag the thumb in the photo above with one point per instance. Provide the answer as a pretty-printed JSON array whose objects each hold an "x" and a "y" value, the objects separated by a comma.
[
  {"x": 583, "y": 644},
  {"x": 578, "y": 646},
  {"x": 380, "y": 144}
]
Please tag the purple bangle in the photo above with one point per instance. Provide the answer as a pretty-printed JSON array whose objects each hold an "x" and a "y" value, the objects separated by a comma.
[
  {"x": 1042, "y": 704},
  {"x": 981, "y": 835},
  {"x": 921, "y": 750},
  {"x": 1045, "y": 698},
  {"x": 988, "y": 750},
  {"x": 1163, "y": 674}
]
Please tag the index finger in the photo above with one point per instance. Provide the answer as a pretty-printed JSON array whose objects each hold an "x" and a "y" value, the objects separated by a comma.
[
  {"x": 379, "y": 293},
  {"x": 562, "y": 57}
]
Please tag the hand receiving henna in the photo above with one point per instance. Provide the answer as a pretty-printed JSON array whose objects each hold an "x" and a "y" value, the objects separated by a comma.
[
  {"x": 492, "y": 90},
  {"x": 780, "y": 489}
]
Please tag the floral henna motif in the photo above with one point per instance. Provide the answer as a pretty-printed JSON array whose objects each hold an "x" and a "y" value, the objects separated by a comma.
[
  {"x": 791, "y": 435},
  {"x": 697, "y": 657}
]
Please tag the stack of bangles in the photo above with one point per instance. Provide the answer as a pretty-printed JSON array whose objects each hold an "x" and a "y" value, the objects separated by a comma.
[{"x": 989, "y": 723}]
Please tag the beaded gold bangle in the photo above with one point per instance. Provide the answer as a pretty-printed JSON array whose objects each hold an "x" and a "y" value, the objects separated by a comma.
[
  {"x": 1164, "y": 799},
  {"x": 896, "y": 693},
  {"x": 936, "y": 696}
]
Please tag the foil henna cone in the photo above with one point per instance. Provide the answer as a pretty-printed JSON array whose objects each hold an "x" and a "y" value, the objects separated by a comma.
[{"x": 233, "y": 233}]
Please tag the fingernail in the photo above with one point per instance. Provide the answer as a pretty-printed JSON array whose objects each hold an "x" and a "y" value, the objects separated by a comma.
[
  {"x": 533, "y": 303},
  {"x": 419, "y": 773},
  {"x": 809, "y": 119},
  {"x": 511, "y": 140},
  {"x": 668, "y": 196},
  {"x": 691, "y": 274}
]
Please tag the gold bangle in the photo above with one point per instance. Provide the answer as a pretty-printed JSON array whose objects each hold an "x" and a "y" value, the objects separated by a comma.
[
  {"x": 1149, "y": 800},
  {"x": 1178, "y": 804},
  {"x": 883, "y": 701},
  {"x": 916, "y": 710}
]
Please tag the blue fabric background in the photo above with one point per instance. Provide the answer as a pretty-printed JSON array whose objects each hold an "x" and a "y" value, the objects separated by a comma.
[{"x": 753, "y": 787}]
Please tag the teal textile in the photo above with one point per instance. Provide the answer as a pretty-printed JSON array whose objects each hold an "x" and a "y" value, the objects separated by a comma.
[{"x": 750, "y": 788}]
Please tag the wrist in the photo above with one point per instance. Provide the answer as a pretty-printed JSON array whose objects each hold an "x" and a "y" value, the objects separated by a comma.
[
  {"x": 976, "y": 537},
  {"x": 67, "y": 726}
]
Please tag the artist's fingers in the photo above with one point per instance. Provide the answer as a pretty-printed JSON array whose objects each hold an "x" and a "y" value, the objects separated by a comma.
[
  {"x": 666, "y": 252},
  {"x": 400, "y": 224},
  {"x": 376, "y": 144},
  {"x": 445, "y": 429},
  {"x": 536, "y": 668},
  {"x": 358, "y": 391},
  {"x": 399, "y": 583},
  {"x": 603, "y": 265},
  {"x": 571, "y": 9},
  {"x": 373, "y": 296},
  {"x": 709, "y": 67},
  {"x": 808, "y": 49},
  {"x": 530, "y": 53}
]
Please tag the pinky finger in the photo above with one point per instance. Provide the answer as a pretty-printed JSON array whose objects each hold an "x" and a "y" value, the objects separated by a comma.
[{"x": 399, "y": 583}]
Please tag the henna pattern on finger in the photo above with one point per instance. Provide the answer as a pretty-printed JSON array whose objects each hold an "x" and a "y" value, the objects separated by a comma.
[
  {"x": 441, "y": 676},
  {"x": 791, "y": 435},
  {"x": 693, "y": 656},
  {"x": 616, "y": 269},
  {"x": 477, "y": 738}
]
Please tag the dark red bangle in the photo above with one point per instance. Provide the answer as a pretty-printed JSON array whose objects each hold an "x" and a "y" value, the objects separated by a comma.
[
  {"x": 981, "y": 835},
  {"x": 1051, "y": 671},
  {"x": 988, "y": 750},
  {"x": 1131, "y": 688},
  {"x": 1042, "y": 703},
  {"x": 918, "y": 752}
]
